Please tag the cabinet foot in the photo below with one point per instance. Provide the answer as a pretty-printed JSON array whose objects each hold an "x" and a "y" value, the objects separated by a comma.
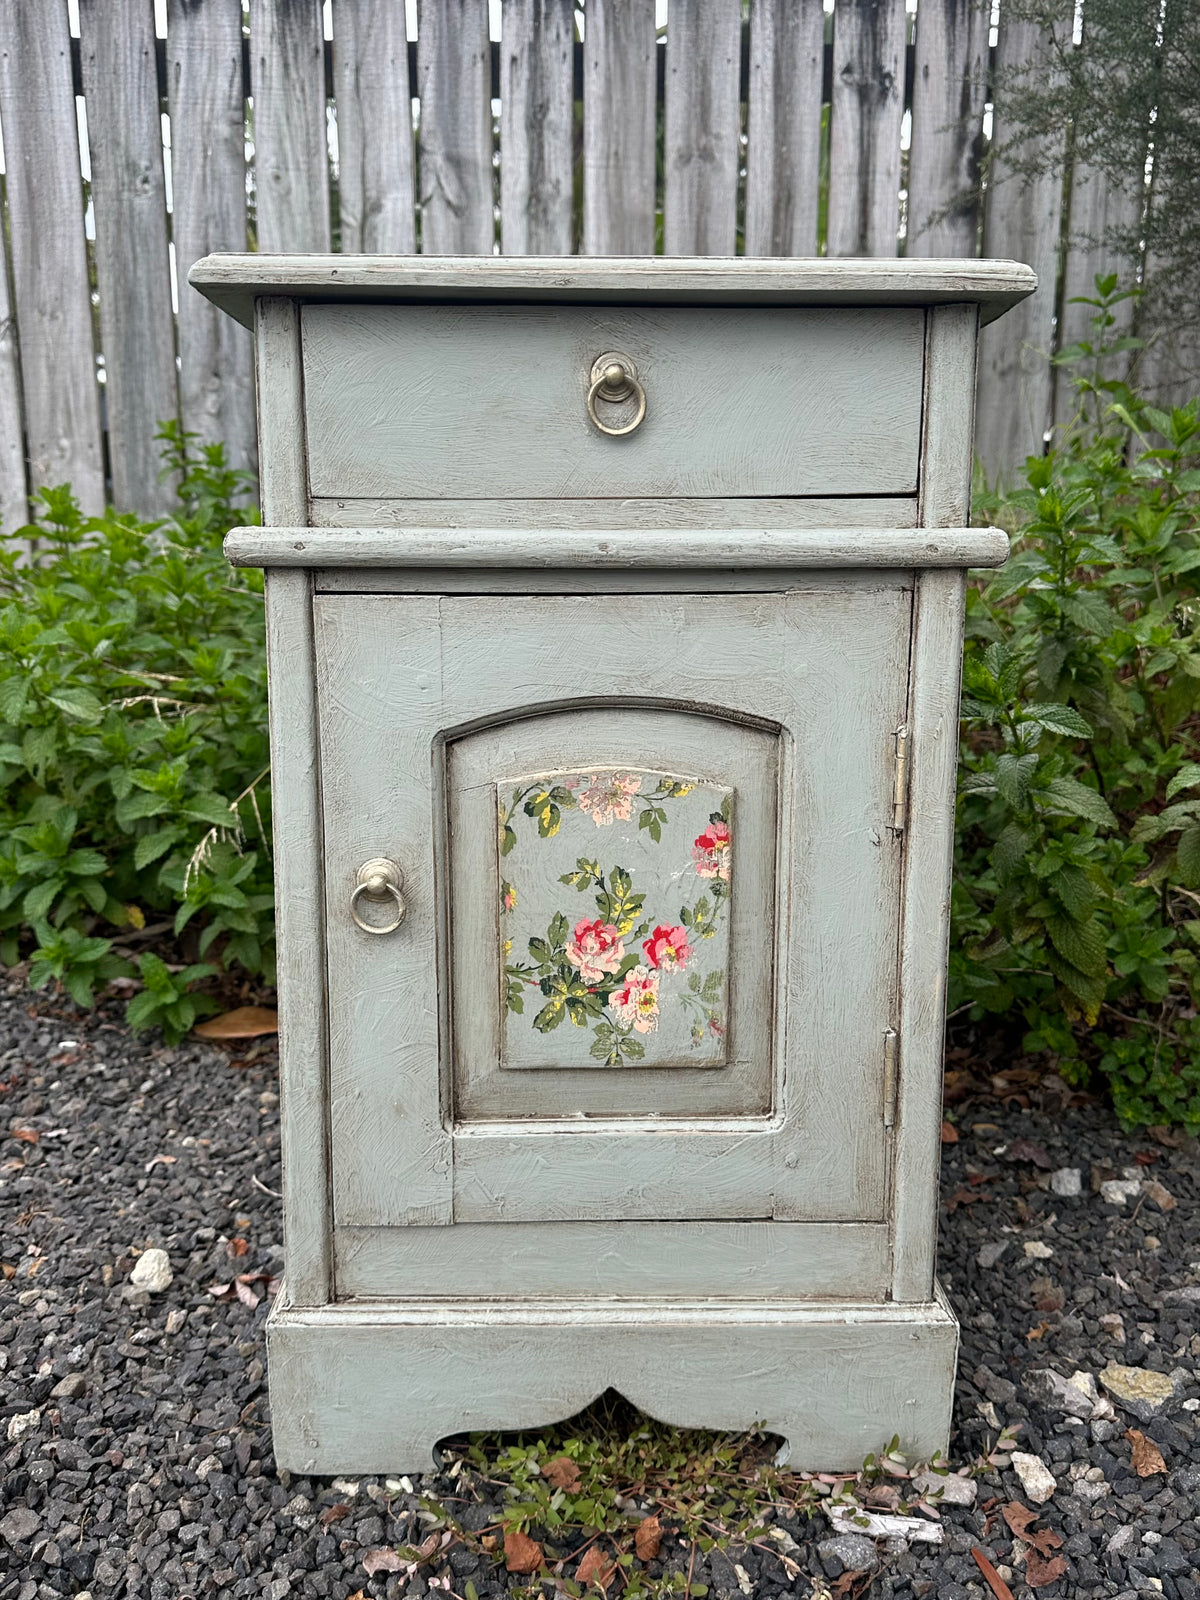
[{"x": 373, "y": 1386}]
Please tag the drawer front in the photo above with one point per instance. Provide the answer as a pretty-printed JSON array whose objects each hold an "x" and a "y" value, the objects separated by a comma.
[{"x": 488, "y": 402}]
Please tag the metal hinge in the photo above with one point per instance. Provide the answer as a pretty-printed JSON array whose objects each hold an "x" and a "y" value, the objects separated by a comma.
[
  {"x": 891, "y": 1056},
  {"x": 900, "y": 781}
]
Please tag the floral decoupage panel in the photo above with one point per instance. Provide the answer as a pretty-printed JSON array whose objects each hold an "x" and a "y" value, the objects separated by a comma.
[{"x": 614, "y": 919}]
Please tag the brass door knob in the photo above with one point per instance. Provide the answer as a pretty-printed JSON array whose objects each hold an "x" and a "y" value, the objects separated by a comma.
[
  {"x": 614, "y": 378},
  {"x": 378, "y": 880}
]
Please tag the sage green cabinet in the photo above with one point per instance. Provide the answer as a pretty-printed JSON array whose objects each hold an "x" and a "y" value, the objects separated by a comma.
[{"x": 614, "y": 616}]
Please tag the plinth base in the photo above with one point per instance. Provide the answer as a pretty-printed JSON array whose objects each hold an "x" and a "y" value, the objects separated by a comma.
[{"x": 371, "y": 1387}]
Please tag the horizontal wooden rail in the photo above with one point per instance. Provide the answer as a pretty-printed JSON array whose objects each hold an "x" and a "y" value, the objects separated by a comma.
[{"x": 644, "y": 549}]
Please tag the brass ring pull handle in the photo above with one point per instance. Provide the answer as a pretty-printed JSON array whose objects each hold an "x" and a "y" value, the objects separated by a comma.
[
  {"x": 379, "y": 879},
  {"x": 614, "y": 378}
]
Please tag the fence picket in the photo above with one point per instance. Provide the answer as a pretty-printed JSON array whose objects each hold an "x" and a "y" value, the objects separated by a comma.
[
  {"x": 619, "y": 70},
  {"x": 137, "y": 335},
  {"x": 291, "y": 164},
  {"x": 14, "y": 508},
  {"x": 374, "y": 127},
  {"x": 536, "y": 112},
  {"x": 949, "y": 92},
  {"x": 50, "y": 278},
  {"x": 865, "y": 115},
  {"x": 207, "y": 106},
  {"x": 455, "y": 140},
  {"x": 1022, "y": 222},
  {"x": 702, "y": 124},
  {"x": 1099, "y": 209},
  {"x": 787, "y": 60}
]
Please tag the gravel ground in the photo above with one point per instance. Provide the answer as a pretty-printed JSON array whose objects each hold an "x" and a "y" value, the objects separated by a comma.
[{"x": 138, "y": 1454}]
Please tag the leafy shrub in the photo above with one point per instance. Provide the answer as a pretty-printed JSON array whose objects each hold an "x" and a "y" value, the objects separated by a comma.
[
  {"x": 1077, "y": 892},
  {"x": 133, "y": 745}
]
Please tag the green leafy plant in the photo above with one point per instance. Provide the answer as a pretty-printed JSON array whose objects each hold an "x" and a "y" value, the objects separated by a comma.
[
  {"x": 1078, "y": 862},
  {"x": 133, "y": 746}
]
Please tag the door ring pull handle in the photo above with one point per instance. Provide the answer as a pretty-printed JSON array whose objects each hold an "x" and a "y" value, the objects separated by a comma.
[
  {"x": 379, "y": 879},
  {"x": 613, "y": 379}
]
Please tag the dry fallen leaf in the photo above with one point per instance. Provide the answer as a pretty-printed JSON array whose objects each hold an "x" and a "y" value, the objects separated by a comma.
[
  {"x": 246, "y": 1022},
  {"x": 236, "y": 1247},
  {"x": 26, "y": 1135},
  {"x": 383, "y": 1561},
  {"x": 595, "y": 1568},
  {"x": 429, "y": 1546},
  {"x": 562, "y": 1473},
  {"x": 489, "y": 1541},
  {"x": 949, "y": 1133},
  {"x": 1040, "y": 1571},
  {"x": 1159, "y": 1193},
  {"x": 245, "y": 1293},
  {"x": 1046, "y": 1295},
  {"x": 521, "y": 1553},
  {"x": 882, "y": 1497},
  {"x": 1040, "y": 1331},
  {"x": 990, "y": 1576},
  {"x": 1020, "y": 1520},
  {"x": 648, "y": 1538},
  {"x": 1147, "y": 1458},
  {"x": 1026, "y": 1150},
  {"x": 332, "y": 1514}
]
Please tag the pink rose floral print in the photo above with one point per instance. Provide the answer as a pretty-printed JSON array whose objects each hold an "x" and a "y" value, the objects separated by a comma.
[{"x": 637, "y": 968}]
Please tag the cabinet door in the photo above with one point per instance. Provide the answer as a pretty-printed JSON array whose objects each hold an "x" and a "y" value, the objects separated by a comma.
[{"x": 649, "y": 956}]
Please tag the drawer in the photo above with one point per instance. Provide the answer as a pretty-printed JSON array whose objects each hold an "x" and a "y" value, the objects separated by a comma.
[{"x": 491, "y": 402}]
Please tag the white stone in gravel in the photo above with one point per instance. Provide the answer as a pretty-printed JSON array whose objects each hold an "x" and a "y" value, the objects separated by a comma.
[
  {"x": 21, "y": 1423},
  {"x": 346, "y": 1486},
  {"x": 1138, "y": 1389},
  {"x": 1091, "y": 1492},
  {"x": 207, "y": 1467},
  {"x": 1183, "y": 1297},
  {"x": 19, "y": 1525},
  {"x": 1121, "y": 1540},
  {"x": 1070, "y": 1397},
  {"x": 989, "y": 1254},
  {"x": 948, "y": 1487},
  {"x": 176, "y": 1320},
  {"x": 856, "y": 1553},
  {"x": 1113, "y": 1324},
  {"x": 1067, "y": 1182},
  {"x": 884, "y": 1525},
  {"x": 1036, "y": 1250},
  {"x": 152, "y": 1272},
  {"x": 1117, "y": 1190},
  {"x": 1036, "y": 1478}
]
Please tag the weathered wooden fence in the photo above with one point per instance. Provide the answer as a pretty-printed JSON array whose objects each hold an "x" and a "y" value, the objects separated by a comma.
[{"x": 140, "y": 134}]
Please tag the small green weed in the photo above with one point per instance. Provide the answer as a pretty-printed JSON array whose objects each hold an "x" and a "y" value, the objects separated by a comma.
[{"x": 612, "y": 1500}]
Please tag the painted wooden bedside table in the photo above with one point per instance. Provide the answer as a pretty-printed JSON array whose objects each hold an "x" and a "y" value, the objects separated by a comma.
[{"x": 614, "y": 617}]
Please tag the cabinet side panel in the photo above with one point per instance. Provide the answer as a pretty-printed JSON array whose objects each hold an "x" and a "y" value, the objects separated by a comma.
[
  {"x": 295, "y": 776},
  {"x": 933, "y": 743}
]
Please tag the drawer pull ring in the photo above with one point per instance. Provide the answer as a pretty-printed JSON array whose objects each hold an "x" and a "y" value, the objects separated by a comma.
[
  {"x": 379, "y": 879},
  {"x": 614, "y": 378}
]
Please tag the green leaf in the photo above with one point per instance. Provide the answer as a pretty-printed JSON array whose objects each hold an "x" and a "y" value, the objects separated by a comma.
[
  {"x": 79, "y": 703},
  {"x": 1059, "y": 719},
  {"x": 153, "y": 845},
  {"x": 1187, "y": 855},
  {"x": 1080, "y": 943},
  {"x": 1077, "y": 800},
  {"x": 1188, "y": 777}
]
